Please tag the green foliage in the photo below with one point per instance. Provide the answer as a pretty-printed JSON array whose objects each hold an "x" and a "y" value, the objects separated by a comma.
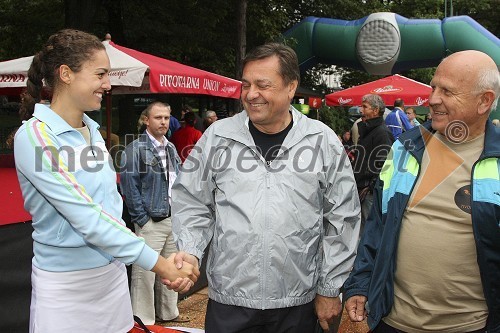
[
  {"x": 195, "y": 33},
  {"x": 204, "y": 33},
  {"x": 351, "y": 78},
  {"x": 313, "y": 78},
  {"x": 335, "y": 117},
  {"x": 27, "y": 24},
  {"x": 423, "y": 75}
]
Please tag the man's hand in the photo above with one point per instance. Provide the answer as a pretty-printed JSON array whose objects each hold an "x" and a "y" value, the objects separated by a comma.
[
  {"x": 355, "y": 307},
  {"x": 168, "y": 271},
  {"x": 327, "y": 308},
  {"x": 182, "y": 285}
]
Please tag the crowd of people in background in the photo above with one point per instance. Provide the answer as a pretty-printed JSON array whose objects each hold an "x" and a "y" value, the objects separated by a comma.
[
  {"x": 397, "y": 120},
  {"x": 185, "y": 138},
  {"x": 412, "y": 116},
  {"x": 186, "y": 132}
]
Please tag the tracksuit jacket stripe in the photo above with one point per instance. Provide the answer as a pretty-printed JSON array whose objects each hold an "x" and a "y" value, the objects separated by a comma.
[{"x": 63, "y": 175}]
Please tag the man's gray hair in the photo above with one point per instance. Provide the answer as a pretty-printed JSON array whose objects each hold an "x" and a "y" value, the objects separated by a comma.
[
  {"x": 488, "y": 79},
  {"x": 210, "y": 113},
  {"x": 375, "y": 101}
]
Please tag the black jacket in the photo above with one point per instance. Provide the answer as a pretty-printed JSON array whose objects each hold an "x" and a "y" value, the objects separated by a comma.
[{"x": 375, "y": 141}]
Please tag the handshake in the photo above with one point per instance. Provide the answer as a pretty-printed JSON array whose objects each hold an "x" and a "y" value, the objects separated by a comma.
[{"x": 178, "y": 272}]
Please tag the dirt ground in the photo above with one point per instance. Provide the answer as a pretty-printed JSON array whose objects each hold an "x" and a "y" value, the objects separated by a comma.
[{"x": 195, "y": 306}]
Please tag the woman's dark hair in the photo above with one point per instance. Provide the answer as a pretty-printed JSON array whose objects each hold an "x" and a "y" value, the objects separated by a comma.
[
  {"x": 190, "y": 118},
  {"x": 66, "y": 47},
  {"x": 289, "y": 64}
]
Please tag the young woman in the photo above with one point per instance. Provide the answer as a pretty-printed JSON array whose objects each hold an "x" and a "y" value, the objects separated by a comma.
[{"x": 69, "y": 188}]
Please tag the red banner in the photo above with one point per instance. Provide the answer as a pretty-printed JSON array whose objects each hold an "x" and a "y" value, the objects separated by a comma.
[{"x": 315, "y": 102}]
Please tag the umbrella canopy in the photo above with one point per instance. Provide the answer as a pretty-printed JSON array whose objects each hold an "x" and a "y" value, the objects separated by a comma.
[
  {"x": 125, "y": 70},
  {"x": 389, "y": 88},
  {"x": 135, "y": 72},
  {"x": 13, "y": 75},
  {"x": 166, "y": 76}
]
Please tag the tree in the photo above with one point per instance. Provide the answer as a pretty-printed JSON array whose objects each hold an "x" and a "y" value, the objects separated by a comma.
[
  {"x": 205, "y": 34},
  {"x": 241, "y": 23},
  {"x": 335, "y": 117},
  {"x": 201, "y": 33},
  {"x": 115, "y": 21},
  {"x": 26, "y": 25},
  {"x": 80, "y": 15}
]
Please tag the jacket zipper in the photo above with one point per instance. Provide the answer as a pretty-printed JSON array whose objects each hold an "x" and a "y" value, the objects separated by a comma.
[{"x": 265, "y": 243}]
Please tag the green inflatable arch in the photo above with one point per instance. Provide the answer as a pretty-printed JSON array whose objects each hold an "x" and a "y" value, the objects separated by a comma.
[{"x": 388, "y": 43}]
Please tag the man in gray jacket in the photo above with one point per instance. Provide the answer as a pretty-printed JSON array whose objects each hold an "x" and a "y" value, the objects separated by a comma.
[{"x": 273, "y": 193}]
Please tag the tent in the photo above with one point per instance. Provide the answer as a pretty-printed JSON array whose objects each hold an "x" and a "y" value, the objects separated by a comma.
[
  {"x": 131, "y": 68},
  {"x": 164, "y": 76},
  {"x": 134, "y": 72},
  {"x": 389, "y": 88}
]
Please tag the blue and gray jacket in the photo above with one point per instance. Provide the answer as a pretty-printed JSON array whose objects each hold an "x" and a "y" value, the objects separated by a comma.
[{"x": 375, "y": 264}]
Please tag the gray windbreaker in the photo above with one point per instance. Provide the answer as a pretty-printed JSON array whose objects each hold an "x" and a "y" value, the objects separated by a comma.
[{"x": 280, "y": 233}]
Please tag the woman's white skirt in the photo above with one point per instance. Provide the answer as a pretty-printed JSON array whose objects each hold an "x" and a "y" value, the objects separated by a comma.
[{"x": 93, "y": 300}]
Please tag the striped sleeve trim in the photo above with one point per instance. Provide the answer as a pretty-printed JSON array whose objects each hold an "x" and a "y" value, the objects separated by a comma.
[{"x": 38, "y": 137}]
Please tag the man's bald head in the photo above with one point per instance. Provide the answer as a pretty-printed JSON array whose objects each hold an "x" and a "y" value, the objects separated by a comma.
[
  {"x": 465, "y": 88},
  {"x": 477, "y": 68}
]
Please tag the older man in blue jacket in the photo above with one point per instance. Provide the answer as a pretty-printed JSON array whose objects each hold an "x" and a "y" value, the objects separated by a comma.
[{"x": 429, "y": 259}]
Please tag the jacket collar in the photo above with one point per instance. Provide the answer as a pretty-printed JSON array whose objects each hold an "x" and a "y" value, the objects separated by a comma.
[
  {"x": 367, "y": 126},
  {"x": 491, "y": 140},
  {"x": 413, "y": 139},
  {"x": 236, "y": 128},
  {"x": 56, "y": 124},
  {"x": 145, "y": 142}
]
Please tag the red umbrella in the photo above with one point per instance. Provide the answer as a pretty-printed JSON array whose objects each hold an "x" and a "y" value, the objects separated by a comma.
[
  {"x": 389, "y": 88},
  {"x": 166, "y": 76},
  {"x": 134, "y": 72}
]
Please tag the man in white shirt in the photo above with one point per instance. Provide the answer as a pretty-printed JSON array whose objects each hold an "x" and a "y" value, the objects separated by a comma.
[
  {"x": 412, "y": 117},
  {"x": 150, "y": 166}
]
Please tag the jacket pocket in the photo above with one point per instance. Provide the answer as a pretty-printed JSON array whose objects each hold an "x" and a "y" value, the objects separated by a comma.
[
  {"x": 300, "y": 268},
  {"x": 61, "y": 229},
  {"x": 149, "y": 159}
]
